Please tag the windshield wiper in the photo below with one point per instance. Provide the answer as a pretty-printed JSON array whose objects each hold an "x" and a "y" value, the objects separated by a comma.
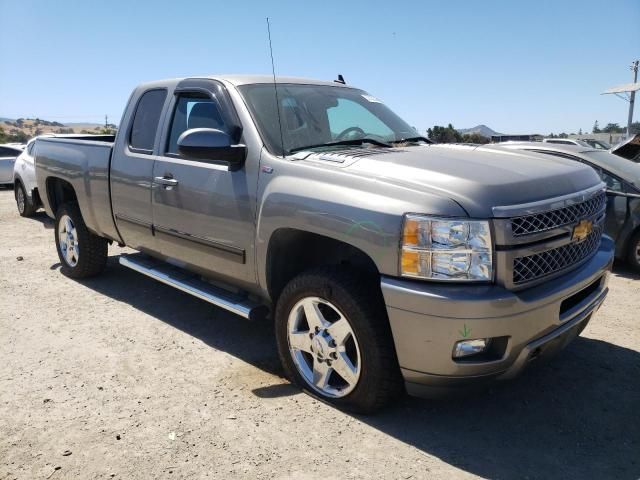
[
  {"x": 355, "y": 141},
  {"x": 411, "y": 139}
]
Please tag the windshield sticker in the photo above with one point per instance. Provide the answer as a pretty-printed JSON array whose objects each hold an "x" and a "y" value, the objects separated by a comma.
[{"x": 371, "y": 99}]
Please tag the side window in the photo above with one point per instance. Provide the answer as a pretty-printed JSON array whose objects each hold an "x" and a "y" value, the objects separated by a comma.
[
  {"x": 145, "y": 121},
  {"x": 612, "y": 182},
  {"x": 193, "y": 111},
  {"x": 30, "y": 149},
  {"x": 9, "y": 152}
]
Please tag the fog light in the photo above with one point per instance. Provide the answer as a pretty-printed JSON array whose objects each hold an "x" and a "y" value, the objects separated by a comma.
[{"x": 465, "y": 348}]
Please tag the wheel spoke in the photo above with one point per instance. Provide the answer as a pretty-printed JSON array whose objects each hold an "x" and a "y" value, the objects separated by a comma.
[
  {"x": 300, "y": 341},
  {"x": 340, "y": 331},
  {"x": 314, "y": 315},
  {"x": 68, "y": 226},
  {"x": 345, "y": 368},
  {"x": 321, "y": 374}
]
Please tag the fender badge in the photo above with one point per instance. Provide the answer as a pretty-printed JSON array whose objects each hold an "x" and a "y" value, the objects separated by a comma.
[
  {"x": 582, "y": 230},
  {"x": 266, "y": 169}
]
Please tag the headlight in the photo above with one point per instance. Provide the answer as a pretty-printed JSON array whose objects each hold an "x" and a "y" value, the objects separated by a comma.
[{"x": 446, "y": 249}]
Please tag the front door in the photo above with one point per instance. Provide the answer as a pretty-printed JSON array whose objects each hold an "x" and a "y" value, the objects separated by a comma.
[
  {"x": 617, "y": 205},
  {"x": 203, "y": 214}
]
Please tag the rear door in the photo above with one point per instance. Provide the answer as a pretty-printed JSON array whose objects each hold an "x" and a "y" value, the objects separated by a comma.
[
  {"x": 132, "y": 169},
  {"x": 203, "y": 214}
]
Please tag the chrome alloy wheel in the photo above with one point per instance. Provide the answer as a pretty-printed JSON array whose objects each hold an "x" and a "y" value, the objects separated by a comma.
[
  {"x": 20, "y": 200},
  {"x": 637, "y": 249},
  {"x": 68, "y": 240},
  {"x": 324, "y": 347}
]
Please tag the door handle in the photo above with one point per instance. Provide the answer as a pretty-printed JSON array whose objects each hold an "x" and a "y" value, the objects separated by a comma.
[{"x": 166, "y": 181}]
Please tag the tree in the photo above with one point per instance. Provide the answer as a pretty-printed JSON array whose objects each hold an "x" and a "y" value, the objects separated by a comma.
[
  {"x": 596, "y": 128},
  {"x": 580, "y": 132},
  {"x": 474, "y": 138},
  {"x": 440, "y": 134},
  {"x": 613, "y": 128},
  {"x": 635, "y": 128}
]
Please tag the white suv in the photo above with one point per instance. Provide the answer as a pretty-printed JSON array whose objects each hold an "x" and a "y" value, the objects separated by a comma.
[
  {"x": 24, "y": 176},
  {"x": 24, "y": 182}
]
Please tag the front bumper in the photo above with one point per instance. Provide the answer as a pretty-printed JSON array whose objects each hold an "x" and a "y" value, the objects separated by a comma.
[{"x": 427, "y": 319}]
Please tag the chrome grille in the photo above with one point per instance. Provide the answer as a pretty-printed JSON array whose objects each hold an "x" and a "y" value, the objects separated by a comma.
[
  {"x": 540, "y": 222},
  {"x": 533, "y": 267}
]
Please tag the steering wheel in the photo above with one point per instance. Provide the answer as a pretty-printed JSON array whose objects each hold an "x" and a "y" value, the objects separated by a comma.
[{"x": 346, "y": 131}]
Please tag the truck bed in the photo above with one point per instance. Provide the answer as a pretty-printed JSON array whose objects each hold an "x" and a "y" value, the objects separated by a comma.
[{"x": 84, "y": 164}]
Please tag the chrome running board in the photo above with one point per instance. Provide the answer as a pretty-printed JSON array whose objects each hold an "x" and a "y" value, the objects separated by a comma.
[{"x": 191, "y": 283}]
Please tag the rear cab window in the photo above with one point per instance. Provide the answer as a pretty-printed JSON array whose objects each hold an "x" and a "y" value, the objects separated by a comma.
[{"x": 144, "y": 126}]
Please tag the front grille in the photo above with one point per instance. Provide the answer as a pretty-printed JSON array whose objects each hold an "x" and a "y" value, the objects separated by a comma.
[
  {"x": 541, "y": 222},
  {"x": 533, "y": 267}
]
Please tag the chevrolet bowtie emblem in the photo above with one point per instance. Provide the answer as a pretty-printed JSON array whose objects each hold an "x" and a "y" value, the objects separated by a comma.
[{"x": 582, "y": 230}]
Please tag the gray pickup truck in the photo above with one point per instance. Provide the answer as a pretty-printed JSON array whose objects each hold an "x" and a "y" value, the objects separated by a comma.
[{"x": 386, "y": 263}]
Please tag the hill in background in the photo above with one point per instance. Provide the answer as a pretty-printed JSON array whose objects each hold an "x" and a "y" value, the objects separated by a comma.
[
  {"x": 479, "y": 129},
  {"x": 22, "y": 130}
]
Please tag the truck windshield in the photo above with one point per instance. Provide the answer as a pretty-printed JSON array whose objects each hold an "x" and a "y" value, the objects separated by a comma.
[{"x": 316, "y": 115}]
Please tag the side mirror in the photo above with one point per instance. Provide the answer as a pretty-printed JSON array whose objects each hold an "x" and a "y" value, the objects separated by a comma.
[{"x": 211, "y": 145}]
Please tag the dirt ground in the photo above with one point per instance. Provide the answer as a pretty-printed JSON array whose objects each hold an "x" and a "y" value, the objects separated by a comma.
[{"x": 122, "y": 377}]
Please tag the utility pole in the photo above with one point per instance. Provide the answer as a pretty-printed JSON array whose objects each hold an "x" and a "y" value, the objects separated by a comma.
[
  {"x": 632, "y": 96},
  {"x": 106, "y": 120}
]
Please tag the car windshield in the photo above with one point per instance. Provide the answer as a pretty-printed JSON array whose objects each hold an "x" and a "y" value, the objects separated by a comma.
[{"x": 316, "y": 115}]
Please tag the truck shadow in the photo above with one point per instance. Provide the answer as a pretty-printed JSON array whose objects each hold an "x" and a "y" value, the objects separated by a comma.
[
  {"x": 621, "y": 269},
  {"x": 575, "y": 417},
  {"x": 43, "y": 218}
]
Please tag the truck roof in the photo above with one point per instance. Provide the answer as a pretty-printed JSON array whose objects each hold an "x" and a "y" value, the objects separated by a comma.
[{"x": 241, "y": 79}]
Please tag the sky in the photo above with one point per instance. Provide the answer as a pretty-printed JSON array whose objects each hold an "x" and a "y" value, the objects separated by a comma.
[{"x": 516, "y": 66}]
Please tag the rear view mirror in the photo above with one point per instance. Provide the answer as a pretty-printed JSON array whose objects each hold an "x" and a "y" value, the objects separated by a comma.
[{"x": 211, "y": 145}]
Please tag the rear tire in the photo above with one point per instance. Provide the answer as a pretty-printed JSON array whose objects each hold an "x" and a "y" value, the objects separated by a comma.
[
  {"x": 633, "y": 255},
  {"x": 335, "y": 295},
  {"x": 82, "y": 254},
  {"x": 25, "y": 206}
]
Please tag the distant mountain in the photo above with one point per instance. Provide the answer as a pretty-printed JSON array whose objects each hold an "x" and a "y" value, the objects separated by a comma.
[
  {"x": 481, "y": 129},
  {"x": 23, "y": 129}
]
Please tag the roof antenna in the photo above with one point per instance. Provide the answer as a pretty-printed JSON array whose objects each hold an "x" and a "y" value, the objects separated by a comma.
[
  {"x": 340, "y": 80},
  {"x": 275, "y": 88}
]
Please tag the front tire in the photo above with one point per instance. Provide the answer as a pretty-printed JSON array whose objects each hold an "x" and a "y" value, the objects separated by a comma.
[
  {"x": 334, "y": 339},
  {"x": 633, "y": 256},
  {"x": 25, "y": 206},
  {"x": 82, "y": 254}
]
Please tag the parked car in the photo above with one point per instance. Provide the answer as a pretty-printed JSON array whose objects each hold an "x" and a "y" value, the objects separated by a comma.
[
  {"x": 566, "y": 141},
  {"x": 597, "y": 144},
  {"x": 622, "y": 178},
  {"x": 24, "y": 176},
  {"x": 8, "y": 155},
  {"x": 380, "y": 257}
]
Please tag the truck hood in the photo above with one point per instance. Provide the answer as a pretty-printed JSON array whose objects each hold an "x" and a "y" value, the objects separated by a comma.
[{"x": 477, "y": 178}]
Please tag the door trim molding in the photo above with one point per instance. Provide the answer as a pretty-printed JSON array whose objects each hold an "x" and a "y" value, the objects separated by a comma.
[
  {"x": 135, "y": 221},
  {"x": 235, "y": 253}
]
